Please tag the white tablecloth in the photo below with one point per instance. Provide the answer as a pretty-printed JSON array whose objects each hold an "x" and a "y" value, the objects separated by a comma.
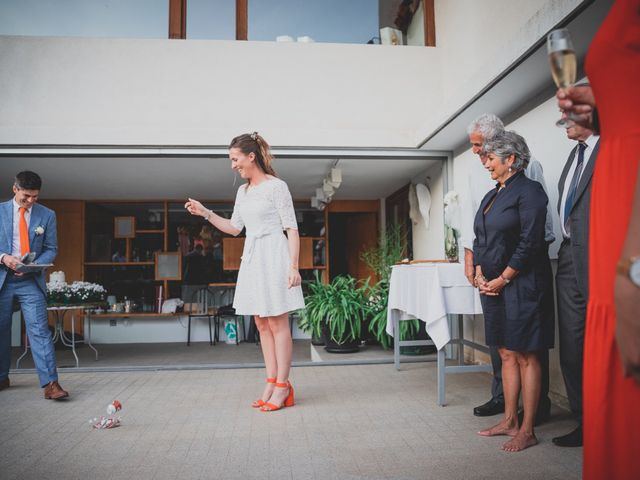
[{"x": 430, "y": 291}]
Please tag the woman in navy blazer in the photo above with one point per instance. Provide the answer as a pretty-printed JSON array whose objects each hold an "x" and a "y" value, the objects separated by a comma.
[{"x": 514, "y": 276}]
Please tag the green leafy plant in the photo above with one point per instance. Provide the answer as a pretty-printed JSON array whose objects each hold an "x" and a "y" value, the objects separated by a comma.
[
  {"x": 388, "y": 251},
  {"x": 345, "y": 309},
  {"x": 377, "y": 315},
  {"x": 313, "y": 315},
  {"x": 338, "y": 306}
]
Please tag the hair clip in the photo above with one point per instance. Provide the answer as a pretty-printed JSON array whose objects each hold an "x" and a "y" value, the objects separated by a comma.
[{"x": 254, "y": 136}]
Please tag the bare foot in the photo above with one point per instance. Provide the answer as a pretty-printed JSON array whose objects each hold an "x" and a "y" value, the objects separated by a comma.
[
  {"x": 266, "y": 395},
  {"x": 521, "y": 441},
  {"x": 505, "y": 427}
]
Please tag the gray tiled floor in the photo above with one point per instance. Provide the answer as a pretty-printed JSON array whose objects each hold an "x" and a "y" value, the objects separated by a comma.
[
  {"x": 198, "y": 354},
  {"x": 162, "y": 354},
  {"x": 350, "y": 422}
]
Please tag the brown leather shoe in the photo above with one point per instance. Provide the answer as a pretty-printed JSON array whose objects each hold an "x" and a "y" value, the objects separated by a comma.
[
  {"x": 53, "y": 391},
  {"x": 5, "y": 383}
]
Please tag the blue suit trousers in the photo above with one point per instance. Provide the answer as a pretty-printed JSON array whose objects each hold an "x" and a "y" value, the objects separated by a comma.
[{"x": 33, "y": 303}]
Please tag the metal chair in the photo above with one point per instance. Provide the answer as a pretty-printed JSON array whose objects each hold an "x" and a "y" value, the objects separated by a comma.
[{"x": 203, "y": 300}]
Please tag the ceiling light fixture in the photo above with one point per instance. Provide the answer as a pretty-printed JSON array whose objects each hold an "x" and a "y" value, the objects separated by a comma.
[{"x": 330, "y": 184}]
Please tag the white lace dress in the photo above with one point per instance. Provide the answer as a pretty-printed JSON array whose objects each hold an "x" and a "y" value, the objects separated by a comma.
[{"x": 266, "y": 210}]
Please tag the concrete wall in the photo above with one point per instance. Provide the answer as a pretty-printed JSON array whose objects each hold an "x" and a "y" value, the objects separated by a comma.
[
  {"x": 160, "y": 330},
  {"x": 476, "y": 45},
  {"x": 92, "y": 91},
  {"x": 428, "y": 243}
]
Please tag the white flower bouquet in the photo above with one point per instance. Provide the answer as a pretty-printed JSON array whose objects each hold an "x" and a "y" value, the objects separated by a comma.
[{"x": 77, "y": 293}]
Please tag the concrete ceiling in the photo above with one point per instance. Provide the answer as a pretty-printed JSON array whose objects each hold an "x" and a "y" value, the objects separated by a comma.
[{"x": 143, "y": 177}]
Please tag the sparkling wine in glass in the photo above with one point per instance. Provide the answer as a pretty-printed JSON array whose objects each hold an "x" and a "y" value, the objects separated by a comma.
[{"x": 562, "y": 58}]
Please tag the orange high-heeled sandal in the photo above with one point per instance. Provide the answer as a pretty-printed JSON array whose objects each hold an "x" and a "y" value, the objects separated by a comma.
[
  {"x": 288, "y": 402},
  {"x": 259, "y": 403}
]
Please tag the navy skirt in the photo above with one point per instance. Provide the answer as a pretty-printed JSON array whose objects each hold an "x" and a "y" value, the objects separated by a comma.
[{"x": 521, "y": 318}]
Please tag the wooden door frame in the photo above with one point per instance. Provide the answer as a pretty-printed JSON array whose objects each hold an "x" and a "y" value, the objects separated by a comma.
[{"x": 351, "y": 206}]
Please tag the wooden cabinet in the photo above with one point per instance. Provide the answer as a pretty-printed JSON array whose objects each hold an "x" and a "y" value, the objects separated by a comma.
[
  {"x": 70, "y": 229},
  {"x": 305, "y": 260},
  {"x": 232, "y": 252},
  {"x": 70, "y": 223}
]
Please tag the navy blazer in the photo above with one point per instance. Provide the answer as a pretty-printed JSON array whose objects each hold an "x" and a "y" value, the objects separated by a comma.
[
  {"x": 512, "y": 232},
  {"x": 45, "y": 246}
]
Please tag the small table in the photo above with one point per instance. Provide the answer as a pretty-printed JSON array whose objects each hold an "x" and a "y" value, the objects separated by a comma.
[
  {"x": 58, "y": 332},
  {"x": 431, "y": 292}
]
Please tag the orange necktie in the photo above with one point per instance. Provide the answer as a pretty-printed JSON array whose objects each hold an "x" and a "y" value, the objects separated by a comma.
[{"x": 24, "y": 233}]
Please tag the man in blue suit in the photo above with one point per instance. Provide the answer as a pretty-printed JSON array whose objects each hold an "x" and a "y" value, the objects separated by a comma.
[{"x": 27, "y": 227}]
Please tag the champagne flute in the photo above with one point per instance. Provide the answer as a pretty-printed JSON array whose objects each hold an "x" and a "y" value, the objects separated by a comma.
[{"x": 562, "y": 58}]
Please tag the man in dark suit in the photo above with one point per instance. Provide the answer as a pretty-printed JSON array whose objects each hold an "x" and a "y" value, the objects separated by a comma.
[
  {"x": 573, "y": 261},
  {"x": 27, "y": 227}
]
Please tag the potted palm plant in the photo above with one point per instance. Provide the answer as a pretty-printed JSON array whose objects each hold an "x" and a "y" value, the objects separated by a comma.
[
  {"x": 344, "y": 312},
  {"x": 335, "y": 311}
]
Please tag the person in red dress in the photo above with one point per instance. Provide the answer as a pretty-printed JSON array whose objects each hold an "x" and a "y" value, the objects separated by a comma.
[{"x": 612, "y": 338}]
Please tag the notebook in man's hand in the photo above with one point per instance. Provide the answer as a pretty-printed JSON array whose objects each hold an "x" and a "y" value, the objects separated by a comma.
[
  {"x": 28, "y": 258},
  {"x": 32, "y": 267}
]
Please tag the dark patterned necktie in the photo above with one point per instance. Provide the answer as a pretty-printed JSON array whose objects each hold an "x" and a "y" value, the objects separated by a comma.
[{"x": 573, "y": 187}]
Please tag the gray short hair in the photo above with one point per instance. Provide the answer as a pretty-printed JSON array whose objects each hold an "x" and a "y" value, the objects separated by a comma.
[
  {"x": 487, "y": 125},
  {"x": 506, "y": 144}
]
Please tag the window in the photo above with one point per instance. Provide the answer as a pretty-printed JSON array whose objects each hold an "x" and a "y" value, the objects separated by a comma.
[
  {"x": 85, "y": 18},
  {"x": 211, "y": 19},
  {"x": 335, "y": 21}
]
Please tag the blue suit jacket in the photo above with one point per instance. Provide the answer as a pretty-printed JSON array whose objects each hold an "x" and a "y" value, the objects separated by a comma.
[{"x": 45, "y": 246}]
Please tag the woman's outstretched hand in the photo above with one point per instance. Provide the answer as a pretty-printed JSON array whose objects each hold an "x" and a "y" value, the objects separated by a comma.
[
  {"x": 194, "y": 207},
  {"x": 294, "y": 278}
]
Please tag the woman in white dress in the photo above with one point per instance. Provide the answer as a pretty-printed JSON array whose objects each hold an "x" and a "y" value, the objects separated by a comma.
[{"x": 268, "y": 285}]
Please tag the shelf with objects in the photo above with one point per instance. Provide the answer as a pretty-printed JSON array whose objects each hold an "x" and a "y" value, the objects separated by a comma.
[
  {"x": 122, "y": 240},
  {"x": 125, "y": 239}
]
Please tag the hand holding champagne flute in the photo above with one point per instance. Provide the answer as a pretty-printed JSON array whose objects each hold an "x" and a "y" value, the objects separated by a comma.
[{"x": 562, "y": 58}]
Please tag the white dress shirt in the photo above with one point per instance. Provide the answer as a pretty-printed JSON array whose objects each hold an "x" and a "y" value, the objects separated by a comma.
[
  {"x": 15, "y": 239},
  {"x": 480, "y": 183},
  {"x": 590, "y": 145}
]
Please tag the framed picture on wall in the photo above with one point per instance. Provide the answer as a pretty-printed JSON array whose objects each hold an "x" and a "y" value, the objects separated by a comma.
[
  {"x": 168, "y": 266},
  {"x": 124, "y": 227}
]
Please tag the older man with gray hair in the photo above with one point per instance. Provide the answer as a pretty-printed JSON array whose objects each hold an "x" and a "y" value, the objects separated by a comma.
[{"x": 482, "y": 129}]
